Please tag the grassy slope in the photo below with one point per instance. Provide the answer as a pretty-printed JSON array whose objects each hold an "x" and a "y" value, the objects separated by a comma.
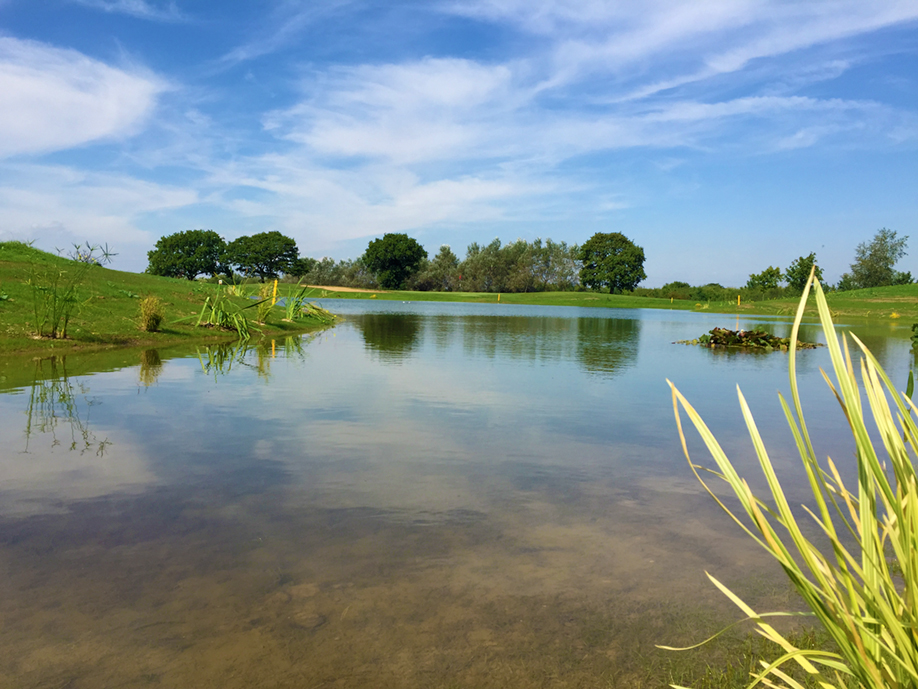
[
  {"x": 880, "y": 302},
  {"x": 109, "y": 307}
]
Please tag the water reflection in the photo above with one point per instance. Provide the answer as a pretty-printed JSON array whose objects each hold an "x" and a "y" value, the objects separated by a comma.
[
  {"x": 607, "y": 345},
  {"x": 599, "y": 345},
  {"x": 393, "y": 337},
  {"x": 151, "y": 365},
  {"x": 220, "y": 359},
  {"x": 508, "y": 508},
  {"x": 59, "y": 407}
]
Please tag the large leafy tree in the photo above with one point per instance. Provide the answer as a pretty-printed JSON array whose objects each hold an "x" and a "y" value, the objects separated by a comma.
[
  {"x": 264, "y": 255},
  {"x": 394, "y": 258},
  {"x": 767, "y": 279},
  {"x": 874, "y": 261},
  {"x": 611, "y": 260},
  {"x": 187, "y": 254},
  {"x": 798, "y": 272}
]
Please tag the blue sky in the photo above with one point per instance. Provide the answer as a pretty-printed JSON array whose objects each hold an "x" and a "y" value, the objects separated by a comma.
[{"x": 723, "y": 137}]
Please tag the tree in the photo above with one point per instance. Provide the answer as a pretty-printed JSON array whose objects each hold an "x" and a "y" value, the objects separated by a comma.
[
  {"x": 394, "y": 258},
  {"x": 441, "y": 273},
  {"x": 265, "y": 254},
  {"x": 187, "y": 254},
  {"x": 767, "y": 279},
  {"x": 611, "y": 260},
  {"x": 798, "y": 272},
  {"x": 874, "y": 261},
  {"x": 302, "y": 266}
]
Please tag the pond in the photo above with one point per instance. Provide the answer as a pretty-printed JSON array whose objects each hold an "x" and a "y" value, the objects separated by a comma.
[{"x": 436, "y": 495}]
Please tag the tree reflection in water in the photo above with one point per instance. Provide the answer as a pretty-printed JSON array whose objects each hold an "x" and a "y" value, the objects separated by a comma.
[
  {"x": 390, "y": 335},
  {"x": 599, "y": 345},
  {"x": 607, "y": 345}
]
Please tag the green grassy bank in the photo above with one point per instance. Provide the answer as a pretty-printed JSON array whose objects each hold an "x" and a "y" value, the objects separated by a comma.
[
  {"x": 106, "y": 306},
  {"x": 881, "y": 302}
]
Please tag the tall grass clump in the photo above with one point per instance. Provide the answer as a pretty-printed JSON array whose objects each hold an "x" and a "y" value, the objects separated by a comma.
[
  {"x": 220, "y": 312},
  {"x": 54, "y": 290},
  {"x": 151, "y": 314},
  {"x": 265, "y": 302},
  {"x": 862, "y": 586}
]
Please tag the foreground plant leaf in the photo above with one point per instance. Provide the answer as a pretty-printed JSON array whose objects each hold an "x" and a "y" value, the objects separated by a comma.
[{"x": 864, "y": 594}]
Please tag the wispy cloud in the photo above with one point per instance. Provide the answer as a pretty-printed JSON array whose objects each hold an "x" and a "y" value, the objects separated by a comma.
[
  {"x": 282, "y": 26},
  {"x": 143, "y": 9},
  {"x": 55, "y": 99}
]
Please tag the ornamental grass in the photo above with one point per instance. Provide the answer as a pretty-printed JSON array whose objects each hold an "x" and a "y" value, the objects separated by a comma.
[{"x": 861, "y": 584}]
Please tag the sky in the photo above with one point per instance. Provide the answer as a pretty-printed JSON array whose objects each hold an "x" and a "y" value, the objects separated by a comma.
[{"x": 722, "y": 137}]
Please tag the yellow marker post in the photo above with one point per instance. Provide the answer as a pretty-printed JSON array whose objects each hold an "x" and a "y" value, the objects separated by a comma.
[
  {"x": 274, "y": 296},
  {"x": 498, "y": 298},
  {"x": 738, "y": 299}
]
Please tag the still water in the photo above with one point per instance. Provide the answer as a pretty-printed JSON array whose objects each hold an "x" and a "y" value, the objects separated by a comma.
[{"x": 426, "y": 495}]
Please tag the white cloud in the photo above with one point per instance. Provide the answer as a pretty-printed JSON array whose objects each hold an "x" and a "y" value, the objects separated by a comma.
[
  {"x": 680, "y": 42},
  {"x": 55, "y": 99},
  {"x": 430, "y": 109},
  {"x": 60, "y": 206},
  {"x": 136, "y": 8}
]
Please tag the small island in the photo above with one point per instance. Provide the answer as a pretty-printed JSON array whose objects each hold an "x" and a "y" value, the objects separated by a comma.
[{"x": 746, "y": 339}]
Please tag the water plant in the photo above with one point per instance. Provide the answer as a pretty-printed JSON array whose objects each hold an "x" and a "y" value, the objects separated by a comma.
[
  {"x": 750, "y": 339},
  {"x": 861, "y": 587},
  {"x": 265, "y": 303},
  {"x": 298, "y": 306},
  {"x": 151, "y": 314},
  {"x": 220, "y": 312}
]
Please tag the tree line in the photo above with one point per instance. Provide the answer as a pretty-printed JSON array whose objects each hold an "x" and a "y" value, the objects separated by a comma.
[
  {"x": 874, "y": 266},
  {"x": 607, "y": 261},
  {"x": 396, "y": 261}
]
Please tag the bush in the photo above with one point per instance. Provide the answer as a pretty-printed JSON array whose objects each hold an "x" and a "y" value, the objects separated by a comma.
[{"x": 151, "y": 314}]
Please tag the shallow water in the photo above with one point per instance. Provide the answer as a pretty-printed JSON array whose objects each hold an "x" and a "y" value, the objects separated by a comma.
[{"x": 434, "y": 495}]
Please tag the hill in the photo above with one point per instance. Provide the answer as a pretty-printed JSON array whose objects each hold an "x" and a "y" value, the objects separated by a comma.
[{"x": 105, "y": 305}]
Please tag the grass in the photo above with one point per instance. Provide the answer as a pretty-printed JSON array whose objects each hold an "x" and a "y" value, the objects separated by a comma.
[
  {"x": 880, "y": 302},
  {"x": 105, "y": 306},
  {"x": 861, "y": 588}
]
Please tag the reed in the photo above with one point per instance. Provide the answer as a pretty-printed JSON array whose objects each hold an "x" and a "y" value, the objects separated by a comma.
[
  {"x": 862, "y": 587},
  {"x": 220, "y": 312},
  {"x": 264, "y": 304}
]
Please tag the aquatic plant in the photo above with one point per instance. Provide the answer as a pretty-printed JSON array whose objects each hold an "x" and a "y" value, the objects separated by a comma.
[
  {"x": 750, "y": 339},
  {"x": 220, "y": 312},
  {"x": 862, "y": 588},
  {"x": 264, "y": 304},
  {"x": 296, "y": 303}
]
